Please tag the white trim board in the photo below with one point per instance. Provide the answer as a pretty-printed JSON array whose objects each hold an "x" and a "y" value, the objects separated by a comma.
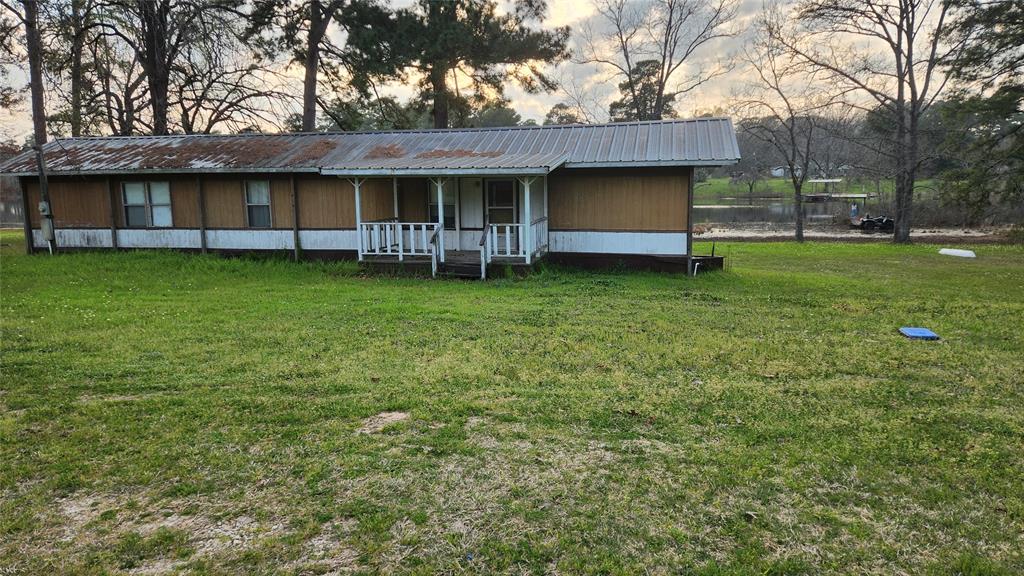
[{"x": 652, "y": 243}]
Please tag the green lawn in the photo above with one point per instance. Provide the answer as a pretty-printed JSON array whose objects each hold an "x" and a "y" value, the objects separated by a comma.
[{"x": 161, "y": 412}]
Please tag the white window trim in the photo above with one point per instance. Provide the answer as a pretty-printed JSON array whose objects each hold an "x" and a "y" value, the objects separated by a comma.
[
  {"x": 269, "y": 205},
  {"x": 147, "y": 204},
  {"x": 454, "y": 206}
]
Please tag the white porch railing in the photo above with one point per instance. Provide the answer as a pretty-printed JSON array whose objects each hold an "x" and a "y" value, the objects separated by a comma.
[
  {"x": 397, "y": 238},
  {"x": 504, "y": 241},
  {"x": 539, "y": 236}
]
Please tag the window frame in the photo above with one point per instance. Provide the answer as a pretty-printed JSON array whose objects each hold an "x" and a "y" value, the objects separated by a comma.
[
  {"x": 514, "y": 206},
  {"x": 432, "y": 203},
  {"x": 147, "y": 204},
  {"x": 269, "y": 204}
]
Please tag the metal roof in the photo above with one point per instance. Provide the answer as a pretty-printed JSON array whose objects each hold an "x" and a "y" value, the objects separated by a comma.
[{"x": 514, "y": 150}]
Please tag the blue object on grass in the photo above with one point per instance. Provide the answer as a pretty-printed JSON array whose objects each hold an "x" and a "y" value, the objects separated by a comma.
[{"x": 918, "y": 333}]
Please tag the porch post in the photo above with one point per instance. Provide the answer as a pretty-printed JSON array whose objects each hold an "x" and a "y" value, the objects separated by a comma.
[
  {"x": 689, "y": 223},
  {"x": 394, "y": 189},
  {"x": 113, "y": 213},
  {"x": 357, "y": 184},
  {"x": 547, "y": 222},
  {"x": 440, "y": 216},
  {"x": 527, "y": 219}
]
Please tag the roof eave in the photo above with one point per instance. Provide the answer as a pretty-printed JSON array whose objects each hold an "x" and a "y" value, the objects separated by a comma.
[
  {"x": 133, "y": 171},
  {"x": 653, "y": 163}
]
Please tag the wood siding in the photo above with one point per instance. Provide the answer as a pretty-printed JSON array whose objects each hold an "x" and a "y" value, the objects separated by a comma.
[
  {"x": 75, "y": 203},
  {"x": 412, "y": 199},
  {"x": 619, "y": 199},
  {"x": 225, "y": 202},
  {"x": 325, "y": 202},
  {"x": 377, "y": 197}
]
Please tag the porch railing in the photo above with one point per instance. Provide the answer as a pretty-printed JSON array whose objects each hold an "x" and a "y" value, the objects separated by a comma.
[
  {"x": 398, "y": 238},
  {"x": 504, "y": 241},
  {"x": 539, "y": 236}
]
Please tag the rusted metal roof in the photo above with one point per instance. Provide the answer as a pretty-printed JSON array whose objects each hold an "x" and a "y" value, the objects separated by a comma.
[{"x": 519, "y": 150}]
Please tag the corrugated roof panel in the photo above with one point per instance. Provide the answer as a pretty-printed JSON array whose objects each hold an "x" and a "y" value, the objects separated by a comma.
[{"x": 707, "y": 141}]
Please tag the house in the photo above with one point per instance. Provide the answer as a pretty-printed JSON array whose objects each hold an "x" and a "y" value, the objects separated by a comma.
[
  {"x": 577, "y": 193},
  {"x": 783, "y": 171}
]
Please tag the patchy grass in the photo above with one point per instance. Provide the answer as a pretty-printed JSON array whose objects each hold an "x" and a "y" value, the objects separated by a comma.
[{"x": 167, "y": 412}]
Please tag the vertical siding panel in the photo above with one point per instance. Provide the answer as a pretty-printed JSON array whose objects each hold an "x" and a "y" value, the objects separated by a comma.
[{"x": 618, "y": 200}]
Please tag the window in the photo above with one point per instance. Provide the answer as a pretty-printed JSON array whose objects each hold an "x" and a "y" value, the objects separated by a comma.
[
  {"x": 501, "y": 202},
  {"x": 147, "y": 204},
  {"x": 257, "y": 203},
  {"x": 449, "y": 204}
]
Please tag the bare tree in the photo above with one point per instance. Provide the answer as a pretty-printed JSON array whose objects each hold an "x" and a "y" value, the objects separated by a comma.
[
  {"x": 887, "y": 53},
  {"x": 784, "y": 106},
  {"x": 669, "y": 32},
  {"x": 215, "y": 84}
]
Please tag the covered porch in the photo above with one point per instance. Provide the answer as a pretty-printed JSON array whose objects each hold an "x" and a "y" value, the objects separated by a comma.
[{"x": 457, "y": 222}]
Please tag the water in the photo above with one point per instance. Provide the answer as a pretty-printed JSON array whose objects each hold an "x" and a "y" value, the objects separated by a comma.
[{"x": 771, "y": 211}]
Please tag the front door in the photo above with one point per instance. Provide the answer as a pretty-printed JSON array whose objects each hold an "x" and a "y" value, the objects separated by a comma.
[{"x": 501, "y": 205}]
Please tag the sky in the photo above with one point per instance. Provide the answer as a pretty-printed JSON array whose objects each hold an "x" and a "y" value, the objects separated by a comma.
[{"x": 596, "y": 81}]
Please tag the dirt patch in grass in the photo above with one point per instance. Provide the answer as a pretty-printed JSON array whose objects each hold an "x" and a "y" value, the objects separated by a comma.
[
  {"x": 87, "y": 519},
  {"x": 375, "y": 424}
]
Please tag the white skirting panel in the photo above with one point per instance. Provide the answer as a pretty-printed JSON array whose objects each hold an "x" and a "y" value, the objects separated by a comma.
[
  {"x": 249, "y": 239},
  {"x": 76, "y": 238},
  {"x": 169, "y": 238},
  {"x": 327, "y": 239},
  {"x": 652, "y": 243}
]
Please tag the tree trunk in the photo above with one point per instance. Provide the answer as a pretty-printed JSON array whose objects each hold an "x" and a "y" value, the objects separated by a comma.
[
  {"x": 154, "y": 24},
  {"x": 798, "y": 197},
  {"x": 317, "y": 29},
  {"x": 440, "y": 95},
  {"x": 35, "y": 67},
  {"x": 905, "y": 177},
  {"x": 77, "y": 45}
]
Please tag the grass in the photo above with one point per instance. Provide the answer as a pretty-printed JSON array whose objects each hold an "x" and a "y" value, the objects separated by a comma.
[
  {"x": 169, "y": 412},
  {"x": 713, "y": 190}
]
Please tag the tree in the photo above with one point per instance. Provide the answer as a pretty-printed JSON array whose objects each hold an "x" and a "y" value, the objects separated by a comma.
[
  {"x": 158, "y": 32},
  {"x": 10, "y": 22},
  {"x": 986, "y": 113},
  {"x": 496, "y": 114},
  {"x": 655, "y": 45},
  {"x": 839, "y": 39},
  {"x": 300, "y": 28},
  {"x": 783, "y": 105},
  {"x": 27, "y": 13},
  {"x": 643, "y": 97},
  {"x": 468, "y": 40},
  {"x": 563, "y": 113}
]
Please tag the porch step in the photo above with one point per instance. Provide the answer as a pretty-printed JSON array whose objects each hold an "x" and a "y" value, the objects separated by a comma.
[{"x": 460, "y": 269}]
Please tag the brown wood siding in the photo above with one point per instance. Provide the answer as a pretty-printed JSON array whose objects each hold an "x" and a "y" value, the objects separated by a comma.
[
  {"x": 281, "y": 203},
  {"x": 325, "y": 202},
  {"x": 225, "y": 202},
  {"x": 632, "y": 199},
  {"x": 76, "y": 203},
  {"x": 184, "y": 203},
  {"x": 412, "y": 199},
  {"x": 377, "y": 197}
]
